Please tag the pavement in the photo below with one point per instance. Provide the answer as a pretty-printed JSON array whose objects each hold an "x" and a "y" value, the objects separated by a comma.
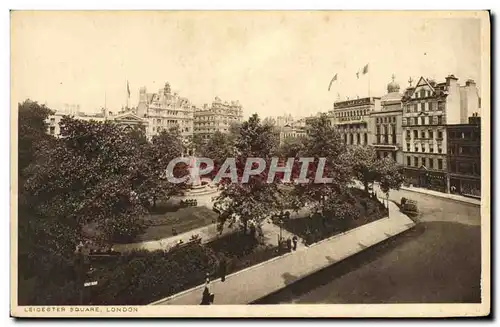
[
  {"x": 278, "y": 273},
  {"x": 455, "y": 197},
  {"x": 438, "y": 261}
]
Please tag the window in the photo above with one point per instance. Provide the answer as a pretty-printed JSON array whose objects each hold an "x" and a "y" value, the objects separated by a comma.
[
  {"x": 431, "y": 163},
  {"x": 415, "y": 134},
  {"x": 416, "y": 148},
  {"x": 431, "y": 135},
  {"x": 422, "y": 106},
  {"x": 439, "y": 120},
  {"x": 415, "y": 159},
  {"x": 431, "y": 148},
  {"x": 366, "y": 138},
  {"x": 441, "y": 105},
  {"x": 408, "y": 161},
  {"x": 407, "y": 146},
  {"x": 416, "y": 120},
  {"x": 422, "y": 120},
  {"x": 423, "y": 161},
  {"x": 440, "y": 150},
  {"x": 423, "y": 147},
  {"x": 408, "y": 134},
  {"x": 440, "y": 163},
  {"x": 403, "y": 121},
  {"x": 52, "y": 120},
  {"x": 440, "y": 135},
  {"x": 408, "y": 108},
  {"x": 52, "y": 130},
  {"x": 422, "y": 134}
]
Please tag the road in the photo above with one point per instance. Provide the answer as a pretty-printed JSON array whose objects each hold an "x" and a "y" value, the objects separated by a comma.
[{"x": 439, "y": 261}]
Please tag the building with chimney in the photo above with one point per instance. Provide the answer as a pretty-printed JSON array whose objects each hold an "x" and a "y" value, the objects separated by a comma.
[
  {"x": 386, "y": 125},
  {"x": 164, "y": 110},
  {"x": 428, "y": 107},
  {"x": 218, "y": 117}
]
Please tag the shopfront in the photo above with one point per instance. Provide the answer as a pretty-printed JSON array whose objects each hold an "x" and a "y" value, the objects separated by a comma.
[
  {"x": 425, "y": 178},
  {"x": 465, "y": 186}
]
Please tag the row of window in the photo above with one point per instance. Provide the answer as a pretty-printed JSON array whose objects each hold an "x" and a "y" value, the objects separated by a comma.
[
  {"x": 352, "y": 113},
  {"x": 386, "y": 138},
  {"x": 465, "y": 167},
  {"x": 427, "y": 162},
  {"x": 355, "y": 138},
  {"x": 468, "y": 135},
  {"x": 206, "y": 117},
  {"x": 385, "y": 120},
  {"x": 424, "y": 120},
  {"x": 464, "y": 150},
  {"x": 424, "y": 135},
  {"x": 351, "y": 126},
  {"x": 423, "y": 148},
  {"x": 425, "y": 106}
]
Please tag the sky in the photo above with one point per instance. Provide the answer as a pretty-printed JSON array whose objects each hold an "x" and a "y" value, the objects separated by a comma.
[{"x": 274, "y": 63}]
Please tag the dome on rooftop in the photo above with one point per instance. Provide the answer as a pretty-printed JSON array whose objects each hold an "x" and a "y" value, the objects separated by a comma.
[{"x": 393, "y": 86}]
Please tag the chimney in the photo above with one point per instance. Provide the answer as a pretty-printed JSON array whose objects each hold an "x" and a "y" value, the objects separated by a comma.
[
  {"x": 470, "y": 82},
  {"x": 451, "y": 79}
]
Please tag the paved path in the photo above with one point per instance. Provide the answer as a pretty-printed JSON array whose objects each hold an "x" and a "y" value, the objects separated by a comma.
[
  {"x": 255, "y": 282},
  {"x": 439, "y": 261}
]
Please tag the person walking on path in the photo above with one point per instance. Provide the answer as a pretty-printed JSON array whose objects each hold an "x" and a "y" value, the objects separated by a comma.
[
  {"x": 289, "y": 244},
  {"x": 294, "y": 240},
  {"x": 222, "y": 268}
]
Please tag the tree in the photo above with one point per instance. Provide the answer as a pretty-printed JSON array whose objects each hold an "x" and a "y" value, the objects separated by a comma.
[
  {"x": 324, "y": 141},
  {"x": 364, "y": 165},
  {"x": 390, "y": 175},
  {"x": 256, "y": 200},
  {"x": 164, "y": 147},
  {"x": 90, "y": 181},
  {"x": 218, "y": 148}
]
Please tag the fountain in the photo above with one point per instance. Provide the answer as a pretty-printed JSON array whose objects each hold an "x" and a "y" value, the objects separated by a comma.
[{"x": 202, "y": 189}]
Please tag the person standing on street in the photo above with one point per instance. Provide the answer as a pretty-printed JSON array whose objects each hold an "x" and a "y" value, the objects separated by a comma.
[
  {"x": 294, "y": 240},
  {"x": 222, "y": 268}
]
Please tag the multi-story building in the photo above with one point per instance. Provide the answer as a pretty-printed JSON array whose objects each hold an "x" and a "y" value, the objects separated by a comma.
[
  {"x": 292, "y": 130},
  {"x": 126, "y": 120},
  {"x": 464, "y": 157},
  {"x": 218, "y": 117},
  {"x": 386, "y": 125},
  {"x": 352, "y": 117},
  {"x": 427, "y": 108},
  {"x": 164, "y": 110}
]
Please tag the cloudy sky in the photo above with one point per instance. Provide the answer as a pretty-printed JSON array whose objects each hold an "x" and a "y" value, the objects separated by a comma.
[{"x": 272, "y": 62}]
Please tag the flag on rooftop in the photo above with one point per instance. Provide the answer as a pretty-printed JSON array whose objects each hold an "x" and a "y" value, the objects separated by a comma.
[{"x": 333, "y": 80}]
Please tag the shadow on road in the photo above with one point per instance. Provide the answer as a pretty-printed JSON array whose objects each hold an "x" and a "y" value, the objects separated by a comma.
[{"x": 434, "y": 262}]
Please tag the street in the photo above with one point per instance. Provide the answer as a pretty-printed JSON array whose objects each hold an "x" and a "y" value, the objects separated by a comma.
[{"x": 438, "y": 261}]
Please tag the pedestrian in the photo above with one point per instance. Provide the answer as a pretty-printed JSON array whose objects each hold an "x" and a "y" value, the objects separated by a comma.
[
  {"x": 289, "y": 244},
  {"x": 205, "y": 298},
  {"x": 222, "y": 268},
  {"x": 294, "y": 240},
  {"x": 207, "y": 279}
]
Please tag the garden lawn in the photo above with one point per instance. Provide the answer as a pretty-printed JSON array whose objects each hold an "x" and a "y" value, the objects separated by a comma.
[
  {"x": 316, "y": 228},
  {"x": 160, "y": 224}
]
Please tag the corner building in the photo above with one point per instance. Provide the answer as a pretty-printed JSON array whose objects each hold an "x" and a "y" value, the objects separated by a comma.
[{"x": 427, "y": 108}]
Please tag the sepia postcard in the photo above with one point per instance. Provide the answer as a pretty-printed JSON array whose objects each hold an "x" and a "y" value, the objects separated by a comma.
[{"x": 250, "y": 164}]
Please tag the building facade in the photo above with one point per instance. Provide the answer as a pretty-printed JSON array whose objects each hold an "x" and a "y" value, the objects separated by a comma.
[
  {"x": 427, "y": 109},
  {"x": 386, "y": 125},
  {"x": 352, "y": 119},
  {"x": 125, "y": 120},
  {"x": 464, "y": 157},
  {"x": 164, "y": 110},
  {"x": 218, "y": 117}
]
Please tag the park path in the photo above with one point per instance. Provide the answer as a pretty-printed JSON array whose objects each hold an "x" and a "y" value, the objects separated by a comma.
[{"x": 253, "y": 283}]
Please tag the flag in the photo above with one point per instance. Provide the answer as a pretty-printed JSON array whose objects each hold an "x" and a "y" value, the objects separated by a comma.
[
  {"x": 365, "y": 69},
  {"x": 333, "y": 80},
  {"x": 357, "y": 75},
  {"x": 128, "y": 90}
]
